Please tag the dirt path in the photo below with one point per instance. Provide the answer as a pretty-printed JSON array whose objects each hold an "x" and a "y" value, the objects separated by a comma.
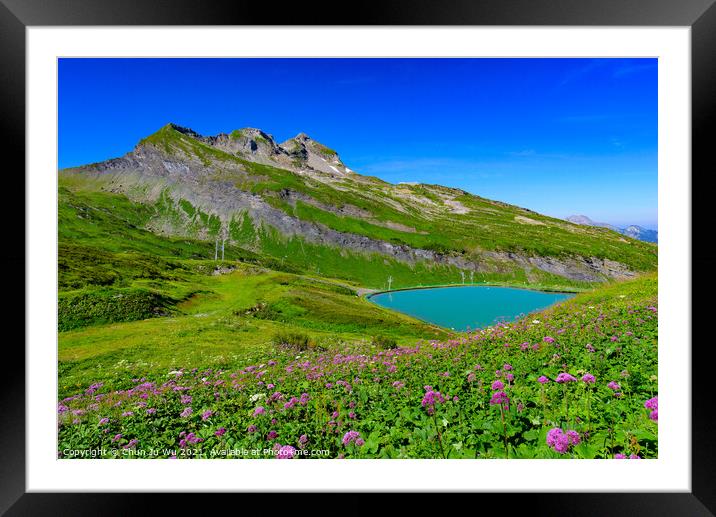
[{"x": 362, "y": 291}]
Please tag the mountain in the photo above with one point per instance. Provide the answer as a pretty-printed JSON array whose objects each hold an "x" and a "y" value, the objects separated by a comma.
[
  {"x": 642, "y": 234},
  {"x": 297, "y": 204},
  {"x": 633, "y": 231},
  {"x": 586, "y": 221}
]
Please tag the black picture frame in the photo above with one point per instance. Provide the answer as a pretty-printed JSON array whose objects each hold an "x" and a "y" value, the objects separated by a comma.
[{"x": 699, "y": 15}]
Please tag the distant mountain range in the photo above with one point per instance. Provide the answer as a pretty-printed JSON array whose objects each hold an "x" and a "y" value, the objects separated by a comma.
[{"x": 633, "y": 231}]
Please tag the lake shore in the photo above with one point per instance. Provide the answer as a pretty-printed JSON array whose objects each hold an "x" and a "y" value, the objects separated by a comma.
[{"x": 368, "y": 293}]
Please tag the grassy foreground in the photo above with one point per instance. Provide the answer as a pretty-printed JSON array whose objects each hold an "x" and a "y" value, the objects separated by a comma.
[
  {"x": 575, "y": 381},
  {"x": 244, "y": 311}
]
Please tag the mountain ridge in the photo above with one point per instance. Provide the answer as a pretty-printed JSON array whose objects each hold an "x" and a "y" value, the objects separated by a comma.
[
  {"x": 634, "y": 231},
  {"x": 246, "y": 189},
  {"x": 299, "y": 153}
]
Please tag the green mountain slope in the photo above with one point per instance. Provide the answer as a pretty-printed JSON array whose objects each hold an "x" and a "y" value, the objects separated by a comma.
[{"x": 298, "y": 203}]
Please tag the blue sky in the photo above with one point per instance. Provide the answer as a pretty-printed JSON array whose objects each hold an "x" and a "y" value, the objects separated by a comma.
[{"x": 558, "y": 136}]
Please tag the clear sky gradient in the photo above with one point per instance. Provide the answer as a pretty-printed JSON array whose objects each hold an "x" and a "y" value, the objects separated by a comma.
[{"x": 558, "y": 136}]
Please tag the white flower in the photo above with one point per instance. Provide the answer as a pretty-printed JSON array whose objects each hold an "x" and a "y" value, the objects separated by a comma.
[
  {"x": 536, "y": 322},
  {"x": 257, "y": 396}
]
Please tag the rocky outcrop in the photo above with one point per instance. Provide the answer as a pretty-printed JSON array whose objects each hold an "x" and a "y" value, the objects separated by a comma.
[
  {"x": 309, "y": 154},
  {"x": 249, "y": 142},
  {"x": 589, "y": 269}
]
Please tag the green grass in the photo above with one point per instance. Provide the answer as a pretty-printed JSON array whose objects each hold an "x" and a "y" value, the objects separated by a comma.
[
  {"x": 224, "y": 320},
  {"x": 426, "y": 400},
  {"x": 97, "y": 306},
  {"x": 325, "y": 151},
  {"x": 130, "y": 298},
  {"x": 176, "y": 143},
  {"x": 359, "y": 226}
]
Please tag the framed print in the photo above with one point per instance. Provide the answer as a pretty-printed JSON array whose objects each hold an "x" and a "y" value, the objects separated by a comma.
[{"x": 427, "y": 251}]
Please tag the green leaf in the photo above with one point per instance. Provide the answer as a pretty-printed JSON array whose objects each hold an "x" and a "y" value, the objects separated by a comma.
[{"x": 530, "y": 435}]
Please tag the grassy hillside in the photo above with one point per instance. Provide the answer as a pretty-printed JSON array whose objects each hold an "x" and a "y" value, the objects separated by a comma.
[
  {"x": 103, "y": 238},
  {"x": 228, "y": 316},
  {"x": 432, "y": 216},
  {"x": 575, "y": 381},
  {"x": 129, "y": 298},
  {"x": 200, "y": 202}
]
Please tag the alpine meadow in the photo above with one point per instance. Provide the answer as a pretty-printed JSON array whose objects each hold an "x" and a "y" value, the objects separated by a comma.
[{"x": 215, "y": 296}]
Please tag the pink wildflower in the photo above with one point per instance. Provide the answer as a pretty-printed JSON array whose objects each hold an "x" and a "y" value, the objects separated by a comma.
[
  {"x": 500, "y": 398},
  {"x": 652, "y": 403},
  {"x": 564, "y": 377},
  {"x": 286, "y": 452},
  {"x": 350, "y": 436}
]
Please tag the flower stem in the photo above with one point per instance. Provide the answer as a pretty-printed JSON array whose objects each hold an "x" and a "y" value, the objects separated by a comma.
[
  {"x": 566, "y": 406},
  {"x": 504, "y": 431},
  {"x": 589, "y": 418},
  {"x": 440, "y": 439}
]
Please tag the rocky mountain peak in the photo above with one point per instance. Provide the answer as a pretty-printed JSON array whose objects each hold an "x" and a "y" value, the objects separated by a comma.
[
  {"x": 307, "y": 153},
  {"x": 301, "y": 153},
  {"x": 185, "y": 130},
  {"x": 252, "y": 133},
  {"x": 249, "y": 142},
  {"x": 634, "y": 231},
  {"x": 580, "y": 219}
]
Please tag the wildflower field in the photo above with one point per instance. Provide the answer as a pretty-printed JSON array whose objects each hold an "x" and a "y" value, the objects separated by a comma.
[{"x": 578, "y": 380}]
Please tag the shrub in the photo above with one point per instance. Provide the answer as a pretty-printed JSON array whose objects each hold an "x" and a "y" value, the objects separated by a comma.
[
  {"x": 99, "y": 306},
  {"x": 266, "y": 311},
  {"x": 385, "y": 342},
  {"x": 293, "y": 340}
]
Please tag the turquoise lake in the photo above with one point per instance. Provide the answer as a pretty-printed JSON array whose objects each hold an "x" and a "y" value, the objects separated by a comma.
[{"x": 472, "y": 307}]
